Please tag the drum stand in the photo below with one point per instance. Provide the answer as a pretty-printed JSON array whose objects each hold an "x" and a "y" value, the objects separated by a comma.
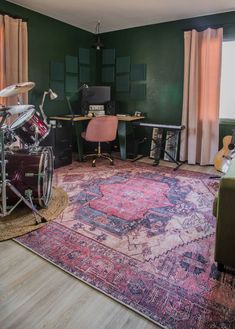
[{"x": 5, "y": 183}]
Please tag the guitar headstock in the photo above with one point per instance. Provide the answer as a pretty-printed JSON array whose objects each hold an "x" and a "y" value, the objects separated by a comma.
[{"x": 233, "y": 137}]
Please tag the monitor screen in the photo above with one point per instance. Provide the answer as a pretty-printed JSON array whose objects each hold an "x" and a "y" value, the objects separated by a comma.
[
  {"x": 78, "y": 103},
  {"x": 96, "y": 95}
]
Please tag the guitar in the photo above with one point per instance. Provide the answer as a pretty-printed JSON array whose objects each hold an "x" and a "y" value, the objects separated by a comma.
[{"x": 226, "y": 154}]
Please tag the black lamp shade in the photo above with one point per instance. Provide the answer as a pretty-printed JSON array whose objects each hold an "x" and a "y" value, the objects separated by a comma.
[{"x": 98, "y": 44}]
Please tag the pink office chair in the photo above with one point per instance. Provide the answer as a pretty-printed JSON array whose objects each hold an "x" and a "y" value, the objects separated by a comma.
[{"x": 101, "y": 129}]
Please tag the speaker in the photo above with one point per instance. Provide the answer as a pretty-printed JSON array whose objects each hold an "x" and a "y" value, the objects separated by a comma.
[
  {"x": 60, "y": 138},
  {"x": 111, "y": 108}
]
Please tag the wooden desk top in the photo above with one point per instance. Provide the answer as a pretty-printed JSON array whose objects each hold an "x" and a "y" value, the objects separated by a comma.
[
  {"x": 69, "y": 118},
  {"x": 127, "y": 118}
]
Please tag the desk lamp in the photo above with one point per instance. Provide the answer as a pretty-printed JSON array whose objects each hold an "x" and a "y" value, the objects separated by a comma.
[{"x": 52, "y": 95}]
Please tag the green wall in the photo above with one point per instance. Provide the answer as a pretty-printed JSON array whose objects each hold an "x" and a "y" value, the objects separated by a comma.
[
  {"x": 161, "y": 47},
  {"x": 49, "y": 39}
]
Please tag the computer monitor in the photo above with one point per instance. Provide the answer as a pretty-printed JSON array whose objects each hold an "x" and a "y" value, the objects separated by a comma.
[
  {"x": 96, "y": 95},
  {"x": 79, "y": 102}
]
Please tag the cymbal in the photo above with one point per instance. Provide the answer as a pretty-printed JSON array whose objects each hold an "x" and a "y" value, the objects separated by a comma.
[{"x": 18, "y": 88}]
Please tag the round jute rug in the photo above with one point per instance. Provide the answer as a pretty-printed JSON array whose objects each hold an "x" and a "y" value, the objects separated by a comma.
[{"x": 22, "y": 220}]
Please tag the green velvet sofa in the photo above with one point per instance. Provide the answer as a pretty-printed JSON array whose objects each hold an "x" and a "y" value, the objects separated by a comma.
[{"x": 224, "y": 211}]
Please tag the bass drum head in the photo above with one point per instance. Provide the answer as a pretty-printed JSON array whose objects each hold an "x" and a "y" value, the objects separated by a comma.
[
  {"x": 45, "y": 176},
  {"x": 30, "y": 170}
]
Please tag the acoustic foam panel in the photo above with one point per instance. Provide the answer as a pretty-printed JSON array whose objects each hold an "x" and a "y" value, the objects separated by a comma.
[
  {"x": 107, "y": 74},
  {"x": 84, "y": 75},
  {"x": 138, "y": 91},
  {"x": 84, "y": 56},
  {"x": 138, "y": 72},
  {"x": 123, "y": 64},
  {"x": 71, "y": 64},
  {"x": 71, "y": 83},
  {"x": 122, "y": 83},
  {"x": 108, "y": 56},
  {"x": 56, "y": 71}
]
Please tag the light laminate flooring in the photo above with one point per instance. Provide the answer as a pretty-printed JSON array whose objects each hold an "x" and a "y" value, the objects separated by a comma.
[{"x": 35, "y": 294}]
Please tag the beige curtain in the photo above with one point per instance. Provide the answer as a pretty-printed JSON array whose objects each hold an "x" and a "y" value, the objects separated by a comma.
[
  {"x": 202, "y": 69},
  {"x": 2, "y": 60},
  {"x": 13, "y": 55}
]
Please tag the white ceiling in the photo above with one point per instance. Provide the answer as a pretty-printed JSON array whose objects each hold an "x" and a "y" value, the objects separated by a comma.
[{"x": 122, "y": 14}]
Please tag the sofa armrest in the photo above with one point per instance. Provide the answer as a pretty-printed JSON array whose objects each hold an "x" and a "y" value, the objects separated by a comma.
[{"x": 225, "y": 228}]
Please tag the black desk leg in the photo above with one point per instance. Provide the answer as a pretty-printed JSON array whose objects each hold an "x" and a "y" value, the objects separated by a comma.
[
  {"x": 179, "y": 164},
  {"x": 175, "y": 161}
]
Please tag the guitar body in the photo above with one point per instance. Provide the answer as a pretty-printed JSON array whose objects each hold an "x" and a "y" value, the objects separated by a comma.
[{"x": 225, "y": 155}]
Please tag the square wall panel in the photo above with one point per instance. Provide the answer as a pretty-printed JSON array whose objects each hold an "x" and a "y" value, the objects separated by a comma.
[
  {"x": 71, "y": 84},
  {"x": 108, "y": 56},
  {"x": 107, "y": 74},
  {"x": 138, "y": 72},
  {"x": 56, "y": 71},
  {"x": 138, "y": 91},
  {"x": 123, "y": 64},
  {"x": 84, "y": 56},
  {"x": 123, "y": 83},
  {"x": 84, "y": 74},
  {"x": 71, "y": 64}
]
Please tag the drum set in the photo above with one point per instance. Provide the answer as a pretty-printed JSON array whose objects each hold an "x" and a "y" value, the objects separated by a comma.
[{"x": 26, "y": 170}]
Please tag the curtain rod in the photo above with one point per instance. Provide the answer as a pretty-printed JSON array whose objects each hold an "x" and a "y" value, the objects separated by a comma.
[
  {"x": 13, "y": 16},
  {"x": 212, "y": 26}
]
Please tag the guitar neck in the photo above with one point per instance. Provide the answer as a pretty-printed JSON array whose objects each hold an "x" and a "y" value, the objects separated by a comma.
[{"x": 233, "y": 136}]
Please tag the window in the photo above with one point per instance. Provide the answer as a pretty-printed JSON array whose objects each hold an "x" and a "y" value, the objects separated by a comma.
[{"x": 227, "y": 91}]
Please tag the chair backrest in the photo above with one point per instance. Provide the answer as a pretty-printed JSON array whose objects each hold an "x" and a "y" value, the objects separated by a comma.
[{"x": 102, "y": 129}]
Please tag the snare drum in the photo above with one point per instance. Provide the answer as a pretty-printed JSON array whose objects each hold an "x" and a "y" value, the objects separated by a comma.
[
  {"x": 30, "y": 129},
  {"x": 27, "y": 170}
]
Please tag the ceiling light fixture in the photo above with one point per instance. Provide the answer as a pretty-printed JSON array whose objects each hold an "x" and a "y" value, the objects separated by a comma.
[{"x": 98, "y": 45}]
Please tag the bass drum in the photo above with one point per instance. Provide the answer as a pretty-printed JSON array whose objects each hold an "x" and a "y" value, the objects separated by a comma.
[{"x": 33, "y": 171}]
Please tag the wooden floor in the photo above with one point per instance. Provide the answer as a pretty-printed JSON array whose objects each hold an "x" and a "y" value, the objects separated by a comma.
[
  {"x": 204, "y": 169},
  {"x": 35, "y": 294}
]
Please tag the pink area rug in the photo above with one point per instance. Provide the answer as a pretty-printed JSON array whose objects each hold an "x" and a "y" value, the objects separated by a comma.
[{"x": 144, "y": 236}]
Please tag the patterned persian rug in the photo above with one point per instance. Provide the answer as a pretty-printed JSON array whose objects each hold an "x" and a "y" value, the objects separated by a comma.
[{"x": 144, "y": 236}]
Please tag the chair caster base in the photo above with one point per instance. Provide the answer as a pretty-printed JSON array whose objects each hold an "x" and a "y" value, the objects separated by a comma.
[{"x": 98, "y": 156}]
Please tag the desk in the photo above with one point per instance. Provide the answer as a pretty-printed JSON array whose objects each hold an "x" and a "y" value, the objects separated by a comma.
[{"x": 122, "y": 131}]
